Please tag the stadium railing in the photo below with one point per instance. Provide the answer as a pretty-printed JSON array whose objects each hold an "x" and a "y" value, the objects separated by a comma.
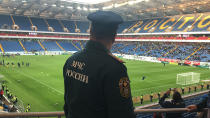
[{"x": 60, "y": 114}]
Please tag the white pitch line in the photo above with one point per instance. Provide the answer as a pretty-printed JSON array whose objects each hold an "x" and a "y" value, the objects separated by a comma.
[{"x": 31, "y": 77}]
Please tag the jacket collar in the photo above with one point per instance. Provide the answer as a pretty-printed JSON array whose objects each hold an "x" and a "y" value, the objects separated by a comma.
[{"x": 94, "y": 45}]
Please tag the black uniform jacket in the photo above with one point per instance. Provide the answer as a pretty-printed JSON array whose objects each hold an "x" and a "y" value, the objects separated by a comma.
[
  {"x": 96, "y": 85},
  {"x": 171, "y": 104}
]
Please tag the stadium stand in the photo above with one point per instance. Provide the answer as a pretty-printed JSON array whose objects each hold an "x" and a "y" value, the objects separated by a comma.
[
  {"x": 32, "y": 46},
  {"x": 11, "y": 46},
  {"x": 83, "y": 26},
  {"x": 195, "y": 52},
  {"x": 182, "y": 51},
  {"x": 51, "y": 46},
  {"x": 5, "y": 20},
  {"x": 187, "y": 100},
  {"x": 67, "y": 45},
  {"x": 184, "y": 37},
  {"x": 55, "y": 25},
  {"x": 40, "y": 24},
  {"x": 22, "y": 22},
  {"x": 70, "y": 25},
  {"x": 157, "y": 25}
]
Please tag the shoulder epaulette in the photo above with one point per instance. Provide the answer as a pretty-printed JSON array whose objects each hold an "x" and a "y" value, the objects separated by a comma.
[{"x": 116, "y": 58}]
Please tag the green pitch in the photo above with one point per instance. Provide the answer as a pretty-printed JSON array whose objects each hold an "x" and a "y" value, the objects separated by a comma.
[{"x": 41, "y": 84}]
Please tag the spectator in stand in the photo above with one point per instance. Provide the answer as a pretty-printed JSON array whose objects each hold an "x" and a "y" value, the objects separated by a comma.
[
  {"x": 12, "y": 109},
  {"x": 176, "y": 102},
  {"x": 1, "y": 106},
  {"x": 6, "y": 108},
  {"x": 1, "y": 94},
  {"x": 205, "y": 103}
]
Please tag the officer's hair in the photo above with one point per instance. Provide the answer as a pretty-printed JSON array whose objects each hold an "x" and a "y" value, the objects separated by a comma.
[
  {"x": 177, "y": 97},
  {"x": 101, "y": 31}
]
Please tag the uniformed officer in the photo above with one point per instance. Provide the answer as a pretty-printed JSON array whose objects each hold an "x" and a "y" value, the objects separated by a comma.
[
  {"x": 151, "y": 96},
  {"x": 28, "y": 107},
  {"x": 182, "y": 90},
  {"x": 202, "y": 85},
  {"x": 141, "y": 99},
  {"x": 3, "y": 86},
  {"x": 26, "y": 110},
  {"x": 195, "y": 88},
  {"x": 13, "y": 99},
  {"x": 8, "y": 93},
  {"x": 158, "y": 95},
  {"x": 96, "y": 82},
  {"x": 7, "y": 90}
]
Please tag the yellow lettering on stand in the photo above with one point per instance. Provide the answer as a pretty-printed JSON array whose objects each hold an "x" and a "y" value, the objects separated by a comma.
[
  {"x": 163, "y": 25},
  {"x": 192, "y": 26},
  {"x": 186, "y": 19},
  {"x": 201, "y": 23},
  {"x": 151, "y": 24},
  {"x": 169, "y": 29}
]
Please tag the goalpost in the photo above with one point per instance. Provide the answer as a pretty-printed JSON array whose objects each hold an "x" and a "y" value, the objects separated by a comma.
[{"x": 188, "y": 78}]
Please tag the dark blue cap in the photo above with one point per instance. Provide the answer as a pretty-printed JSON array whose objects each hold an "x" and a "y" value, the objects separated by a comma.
[{"x": 105, "y": 17}]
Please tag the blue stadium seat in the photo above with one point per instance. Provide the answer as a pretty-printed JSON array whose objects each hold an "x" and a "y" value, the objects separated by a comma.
[
  {"x": 5, "y": 19},
  {"x": 51, "y": 45},
  {"x": 70, "y": 25},
  {"x": 22, "y": 22},
  {"x": 11, "y": 46},
  {"x": 40, "y": 24},
  {"x": 67, "y": 45},
  {"x": 83, "y": 26},
  {"x": 55, "y": 25},
  {"x": 32, "y": 45}
]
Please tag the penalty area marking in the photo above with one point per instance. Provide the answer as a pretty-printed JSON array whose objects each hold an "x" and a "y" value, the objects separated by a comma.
[
  {"x": 205, "y": 80},
  {"x": 31, "y": 77}
]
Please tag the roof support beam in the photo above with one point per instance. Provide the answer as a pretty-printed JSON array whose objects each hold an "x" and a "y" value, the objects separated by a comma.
[
  {"x": 57, "y": 12},
  {"x": 25, "y": 9},
  {"x": 40, "y": 12}
]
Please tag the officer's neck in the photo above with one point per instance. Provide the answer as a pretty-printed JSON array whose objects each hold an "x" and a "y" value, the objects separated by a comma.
[{"x": 107, "y": 43}]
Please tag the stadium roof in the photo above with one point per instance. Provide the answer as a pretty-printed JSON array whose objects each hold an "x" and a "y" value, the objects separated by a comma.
[
  {"x": 79, "y": 9},
  {"x": 87, "y": 1}
]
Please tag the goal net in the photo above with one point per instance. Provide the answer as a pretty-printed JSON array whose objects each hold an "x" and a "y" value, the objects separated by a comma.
[{"x": 188, "y": 78}]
